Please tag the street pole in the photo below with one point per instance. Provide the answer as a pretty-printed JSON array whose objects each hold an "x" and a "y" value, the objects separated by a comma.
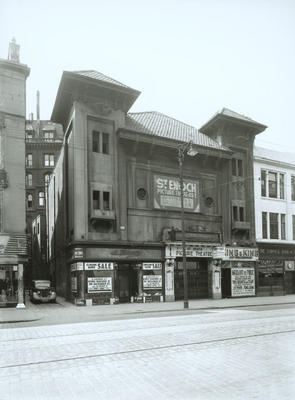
[{"x": 181, "y": 153}]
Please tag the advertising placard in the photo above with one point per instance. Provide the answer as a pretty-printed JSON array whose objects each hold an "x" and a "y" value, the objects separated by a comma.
[
  {"x": 152, "y": 281},
  {"x": 236, "y": 253},
  {"x": 167, "y": 193},
  {"x": 99, "y": 266},
  {"x": 151, "y": 266},
  {"x": 243, "y": 282},
  {"x": 99, "y": 284}
]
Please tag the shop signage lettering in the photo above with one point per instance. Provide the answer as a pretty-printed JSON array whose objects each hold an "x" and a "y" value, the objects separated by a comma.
[
  {"x": 152, "y": 281},
  {"x": 280, "y": 252},
  {"x": 78, "y": 253},
  {"x": 99, "y": 284},
  {"x": 151, "y": 266},
  {"x": 100, "y": 266},
  {"x": 167, "y": 193},
  {"x": 236, "y": 253},
  {"x": 243, "y": 282},
  {"x": 190, "y": 251}
]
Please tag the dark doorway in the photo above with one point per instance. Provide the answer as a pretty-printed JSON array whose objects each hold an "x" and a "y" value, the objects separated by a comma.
[
  {"x": 226, "y": 282},
  {"x": 127, "y": 282},
  {"x": 290, "y": 282},
  {"x": 197, "y": 277}
]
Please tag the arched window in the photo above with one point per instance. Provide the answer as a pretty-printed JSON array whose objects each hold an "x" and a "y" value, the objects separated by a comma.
[
  {"x": 41, "y": 199},
  {"x": 29, "y": 179},
  {"x": 30, "y": 201}
]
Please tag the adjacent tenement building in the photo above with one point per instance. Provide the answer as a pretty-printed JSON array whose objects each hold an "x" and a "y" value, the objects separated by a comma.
[
  {"x": 13, "y": 239},
  {"x": 275, "y": 221},
  {"x": 114, "y": 200},
  {"x": 43, "y": 143}
]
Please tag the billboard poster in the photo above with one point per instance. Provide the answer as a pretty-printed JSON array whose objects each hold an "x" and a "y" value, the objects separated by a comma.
[
  {"x": 243, "y": 282},
  {"x": 152, "y": 281},
  {"x": 167, "y": 193},
  {"x": 99, "y": 284}
]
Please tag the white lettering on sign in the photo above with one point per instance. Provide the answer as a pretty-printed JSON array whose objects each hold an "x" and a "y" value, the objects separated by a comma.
[
  {"x": 236, "y": 253},
  {"x": 243, "y": 282},
  {"x": 175, "y": 250},
  {"x": 99, "y": 284},
  {"x": 100, "y": 266},
  {"x": 149, "y": 266}
]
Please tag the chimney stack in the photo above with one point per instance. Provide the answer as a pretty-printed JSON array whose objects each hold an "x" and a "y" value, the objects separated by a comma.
[
  {"x": 38, "y": 105},
  {"x": 13, "y": 51}
]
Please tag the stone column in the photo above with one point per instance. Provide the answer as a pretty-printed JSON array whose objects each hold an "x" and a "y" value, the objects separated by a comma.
[
  {"x": 20, "y": 286},
  {"x": 169, "y": 280}
]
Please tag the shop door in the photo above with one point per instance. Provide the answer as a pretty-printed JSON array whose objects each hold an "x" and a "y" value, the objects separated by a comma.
[
  {"x": 197, "y": 277},
  {"x": 290, "y": 282},
  {"x": 226, "y": 282},
  {"x": 127, "y": 282}
]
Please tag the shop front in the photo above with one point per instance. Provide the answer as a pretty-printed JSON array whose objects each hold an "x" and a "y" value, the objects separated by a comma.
[
  {"x": 201, "y": 271},
  {"x": 276, "y": 270},
  {"x": 13, "y": 251},
  {"x": 238, "y": 270},
  {"x": 125, "y": 279}
]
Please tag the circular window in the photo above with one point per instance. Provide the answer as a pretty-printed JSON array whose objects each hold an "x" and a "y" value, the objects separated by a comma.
[
  {"x": 209, "y": 201},
  {"x": 141, "y": 193}
]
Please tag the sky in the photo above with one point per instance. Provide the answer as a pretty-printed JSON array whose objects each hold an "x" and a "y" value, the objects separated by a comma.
[{"x": 188, "y": 58}]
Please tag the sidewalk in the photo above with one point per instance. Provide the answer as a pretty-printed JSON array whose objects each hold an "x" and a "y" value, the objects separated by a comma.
[{"x": 33, "y": 313}]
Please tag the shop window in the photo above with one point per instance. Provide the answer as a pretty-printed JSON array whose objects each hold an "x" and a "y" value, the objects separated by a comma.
[
  {"x": 293, "y": 188},
  {"x": 95, "y": 141},
  {"x": 8, "y": 285},
  {"x": 30, "y": 201},
  {"x": 272, "y": 184},
  {"x": 29, "y": 179},
  {"x": 237, "y": 167},
  {"x": 105, "y": 143},
  {"x": 41, "y": 199},
  {"x": 49, "y": 160},
  {"x": 29, "y": 160},
  {"x": 96, "y": 199},
  {"x": 264, "y": 225}
]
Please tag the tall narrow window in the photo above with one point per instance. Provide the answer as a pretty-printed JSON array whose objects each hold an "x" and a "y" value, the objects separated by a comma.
[
  {"x": 105, "y": 143},
  {"x": 41, "y": 199},
  {"x": 263, "y": 183},
  {"x": 49, "y": 160},
  {"x": 242, "y": 213},
  {"x": 29, "y": 179},
  {"x": 240, "y": 168},
  {"x": 106, "y": 200},
  {"x": 30, "y": 201},
  {"x": 293, "y": 188},
  {"x": 96, "y": 199},
  {"x": 29, "y": 160},
  {"x": 234, "y": 167},
  {"x": 95, "y": 141},
  {"x": 283, "y": 226},
  {"x": 273, "y": 225},
  {"x": 264, "y": 225},
  {"x": 282, "y": 190},
  {"x": 272, "y": 185}
]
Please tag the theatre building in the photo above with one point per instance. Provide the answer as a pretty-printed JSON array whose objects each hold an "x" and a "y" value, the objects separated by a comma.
[{"x": 114, "y": 199}]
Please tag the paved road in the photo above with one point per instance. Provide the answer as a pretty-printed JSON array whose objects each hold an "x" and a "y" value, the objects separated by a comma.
[{"x": 218, "y": 354}]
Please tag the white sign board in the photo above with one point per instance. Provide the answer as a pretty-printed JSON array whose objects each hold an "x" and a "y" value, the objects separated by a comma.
[
  {"x": 151, "y": 266},
  {"x": 152, "y": 281},
  {"x": 99, "y": 284},
  {"x": 236, "y": 253},
  {"x": 191, "y": 250},
  {"x": 242, "y": 282},
  {"x": 99, "y": 266}
]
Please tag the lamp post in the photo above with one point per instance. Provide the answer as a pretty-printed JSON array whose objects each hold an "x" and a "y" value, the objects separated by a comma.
[{"x": 183, "y": 149}]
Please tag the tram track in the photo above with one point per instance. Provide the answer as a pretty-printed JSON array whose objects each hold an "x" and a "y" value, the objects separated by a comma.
[{"x": 146, "y": 349}]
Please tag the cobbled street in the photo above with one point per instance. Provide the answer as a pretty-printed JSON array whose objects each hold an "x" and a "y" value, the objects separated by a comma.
[{"x": 244, "y": 353}]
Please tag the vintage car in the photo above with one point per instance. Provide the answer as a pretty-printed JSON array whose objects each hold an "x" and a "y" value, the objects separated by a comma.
[{"x": 42, "y": 292}]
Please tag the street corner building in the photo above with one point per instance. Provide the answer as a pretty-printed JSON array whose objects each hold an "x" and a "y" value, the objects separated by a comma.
[
  {"x": 13, "y": 238},
  {"x": 116, "y": 211}
]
